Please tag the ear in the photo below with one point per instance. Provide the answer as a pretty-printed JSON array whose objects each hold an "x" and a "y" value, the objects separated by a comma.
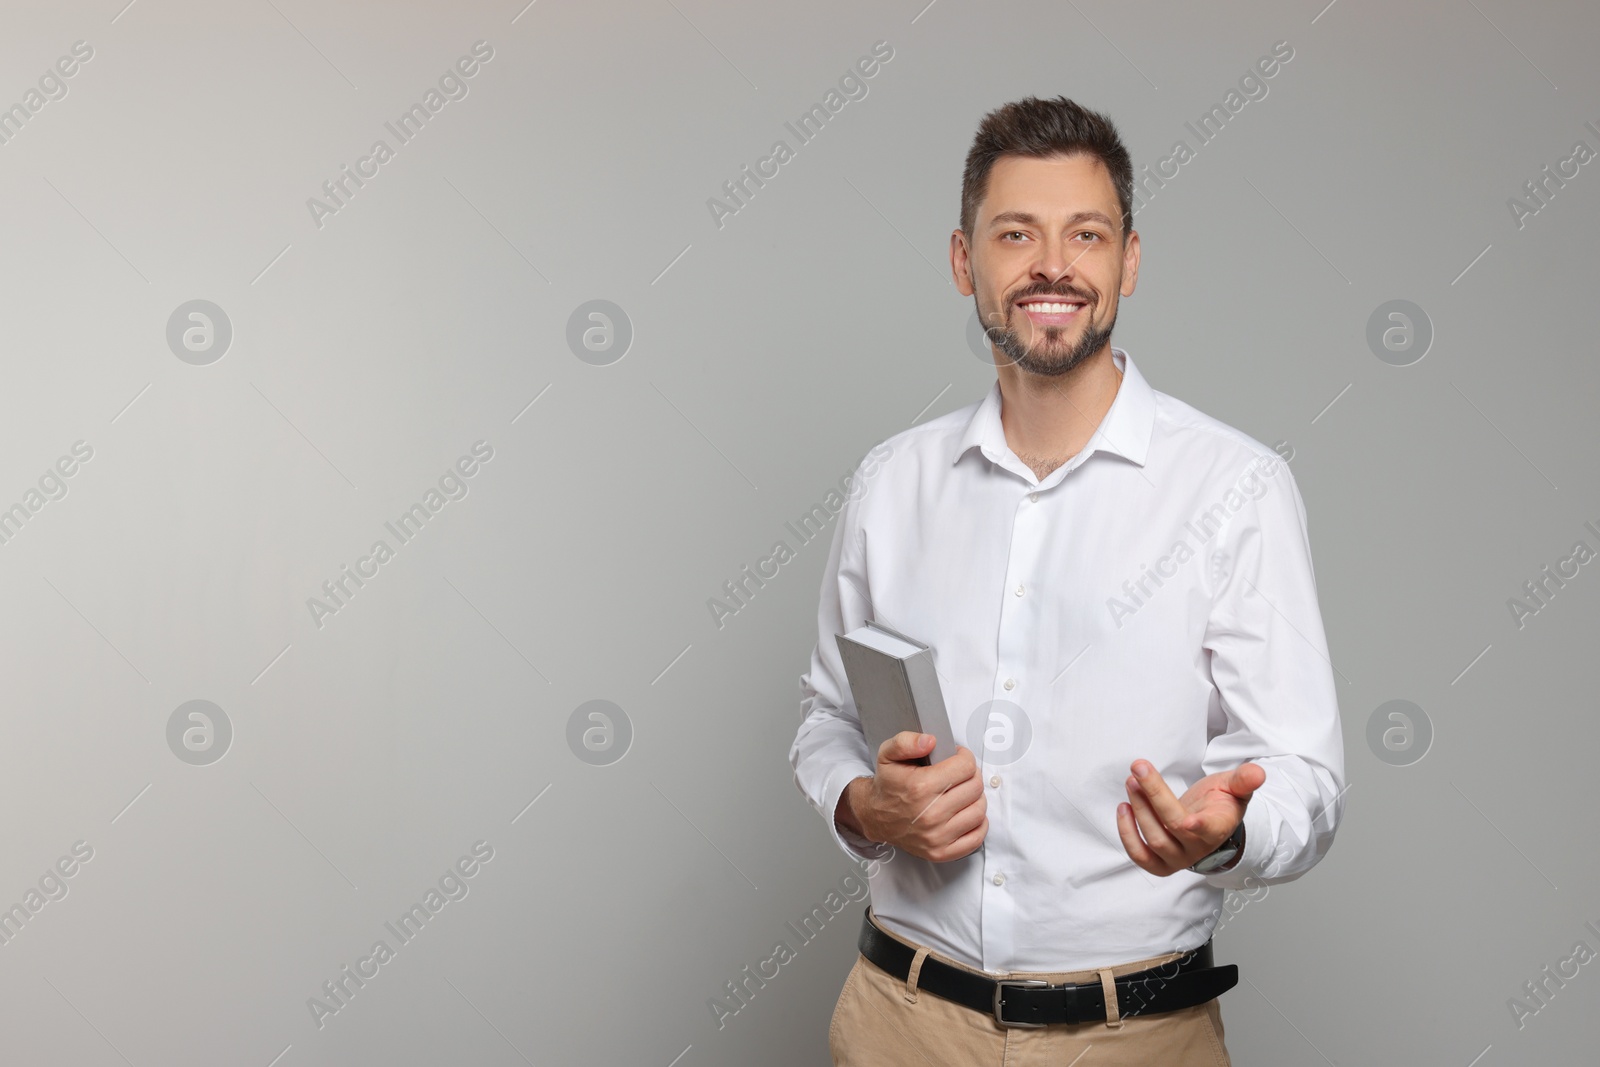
[
  {"x": 961, "y": 263},
  {"x": 1130, "y": 263}
]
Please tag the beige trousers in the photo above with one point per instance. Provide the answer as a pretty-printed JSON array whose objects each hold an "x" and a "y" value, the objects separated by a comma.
[{"x": 883, "y": 1021}]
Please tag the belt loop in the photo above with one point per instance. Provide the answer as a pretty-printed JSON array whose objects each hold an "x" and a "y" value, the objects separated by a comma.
[
  {"x": 1109, "y": 985},
  {"x": 911, "y": 975}
]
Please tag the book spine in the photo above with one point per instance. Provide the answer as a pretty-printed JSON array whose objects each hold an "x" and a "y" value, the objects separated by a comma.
[{"x": 923, "y": 681}]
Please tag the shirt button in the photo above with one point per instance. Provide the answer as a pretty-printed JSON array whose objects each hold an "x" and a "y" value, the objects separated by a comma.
[
  {"x": 1033, "y": 497},
  {"x": 994, "y": 780},
  {"x": 999, "y": 879},
  {"x": 1011, "y": 683},
  {"x": 1019, "y": 589}
]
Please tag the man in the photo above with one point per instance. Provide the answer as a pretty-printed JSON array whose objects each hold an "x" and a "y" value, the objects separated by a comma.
[{"x": 1119, "y": 593}]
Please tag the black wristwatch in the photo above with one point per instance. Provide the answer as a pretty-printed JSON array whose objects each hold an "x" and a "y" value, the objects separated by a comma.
[{"x": 1223, "y": 854}]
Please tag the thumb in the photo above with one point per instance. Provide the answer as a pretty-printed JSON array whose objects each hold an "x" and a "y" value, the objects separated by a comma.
[
  {"x": 905, "y": 746},
  {"x": 1246, "y": 779}
]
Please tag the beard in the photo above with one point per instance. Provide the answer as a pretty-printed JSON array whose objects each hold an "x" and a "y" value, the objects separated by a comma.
[{"x": 1050, "y": 354}]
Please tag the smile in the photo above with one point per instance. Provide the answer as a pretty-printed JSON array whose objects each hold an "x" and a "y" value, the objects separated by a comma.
[{"x": 1051, "y": 312}]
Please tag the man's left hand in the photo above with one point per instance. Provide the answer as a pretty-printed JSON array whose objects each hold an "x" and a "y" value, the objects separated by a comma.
[{"x": 1164, "y": 833}]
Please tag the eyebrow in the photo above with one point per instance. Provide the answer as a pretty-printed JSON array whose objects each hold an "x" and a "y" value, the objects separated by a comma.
[{"x": 1029, "y": 219}]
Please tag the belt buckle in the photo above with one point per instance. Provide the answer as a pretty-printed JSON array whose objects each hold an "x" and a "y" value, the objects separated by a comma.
[{"x": 999, "y": 987}]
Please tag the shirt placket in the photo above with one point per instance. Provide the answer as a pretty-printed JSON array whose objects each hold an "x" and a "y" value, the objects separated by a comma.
[{"x": 1013, "y": 682}]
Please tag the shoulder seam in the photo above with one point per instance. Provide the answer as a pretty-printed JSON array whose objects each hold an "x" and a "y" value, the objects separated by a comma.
[{"x": 1221, "y": 430}]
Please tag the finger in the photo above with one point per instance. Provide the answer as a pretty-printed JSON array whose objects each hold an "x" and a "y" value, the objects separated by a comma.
[
  {"x": 962, "y": 755},
  {"x": 1167, "y": 807},
  {"x": 964, "y": 821},
  {"x": 1134, "y": 845},
  {"x": 947, "y": 801},
  {"x": 923, "y": 790},
  {"x": 1246, "y": 779},
  {"x": 905, "y": 747},
  {"x": 1150, "y": 826},
  {"x": 964, "y": 845},
  {"x": 952, "y": 770}
]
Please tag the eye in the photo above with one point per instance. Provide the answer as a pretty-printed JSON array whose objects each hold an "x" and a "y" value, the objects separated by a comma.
[
  {"x": 1089, "y": 233},
  {"x": 1009, "y": 233}
]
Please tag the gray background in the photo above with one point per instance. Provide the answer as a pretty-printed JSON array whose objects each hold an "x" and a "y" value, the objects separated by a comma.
[{"x": 368, "y": 354}]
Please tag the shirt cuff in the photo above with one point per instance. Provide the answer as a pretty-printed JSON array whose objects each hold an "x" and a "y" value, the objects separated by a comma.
[
  {"x": 1255, "y": 855},
  {"x": 850, "y": 842}
]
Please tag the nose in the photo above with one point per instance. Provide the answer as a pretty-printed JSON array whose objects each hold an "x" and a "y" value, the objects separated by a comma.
[{"x": 1057, "y": 262}]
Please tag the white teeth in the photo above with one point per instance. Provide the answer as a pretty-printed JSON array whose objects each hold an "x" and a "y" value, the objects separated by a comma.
[{"x": 1053, "y": 309}]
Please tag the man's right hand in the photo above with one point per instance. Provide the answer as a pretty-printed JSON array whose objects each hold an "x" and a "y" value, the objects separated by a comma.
[{"x": 935, "y": 812}]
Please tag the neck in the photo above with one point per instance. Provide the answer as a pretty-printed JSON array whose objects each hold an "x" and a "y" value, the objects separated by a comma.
[{"x": 1048, "y": 420}]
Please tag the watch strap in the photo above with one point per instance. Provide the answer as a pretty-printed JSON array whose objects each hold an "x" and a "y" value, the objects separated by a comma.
[{"x": 1230, "y": 847}]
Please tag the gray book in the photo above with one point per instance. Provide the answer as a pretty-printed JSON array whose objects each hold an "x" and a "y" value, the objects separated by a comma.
[{"x": 895, "y": 688}]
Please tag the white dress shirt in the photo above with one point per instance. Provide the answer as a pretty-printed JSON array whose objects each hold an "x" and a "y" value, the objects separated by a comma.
[{"x": 1150, "y": 598}]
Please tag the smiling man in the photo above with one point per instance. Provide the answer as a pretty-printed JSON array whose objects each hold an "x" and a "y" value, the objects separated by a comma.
[{"x": 1119, "y": 593}]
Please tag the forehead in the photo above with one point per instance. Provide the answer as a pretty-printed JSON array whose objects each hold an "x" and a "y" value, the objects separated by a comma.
[{"x": 1053, "y": 187}]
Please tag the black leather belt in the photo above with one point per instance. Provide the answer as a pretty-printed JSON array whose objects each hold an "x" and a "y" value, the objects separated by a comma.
[{"x": 1181, "y": 983}]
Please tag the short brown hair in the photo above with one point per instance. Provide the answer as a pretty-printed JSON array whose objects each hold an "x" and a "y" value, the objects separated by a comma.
[{"x": 1041, "y": 128}]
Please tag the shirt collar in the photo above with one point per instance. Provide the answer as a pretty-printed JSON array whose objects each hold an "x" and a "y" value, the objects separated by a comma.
[{"x": 1125, "y": 430}]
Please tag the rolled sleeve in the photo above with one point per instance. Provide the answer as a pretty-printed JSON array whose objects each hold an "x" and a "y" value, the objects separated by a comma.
[
  {"x": 1268, "y": 658},
  {"x": 830, "y": 750}
]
